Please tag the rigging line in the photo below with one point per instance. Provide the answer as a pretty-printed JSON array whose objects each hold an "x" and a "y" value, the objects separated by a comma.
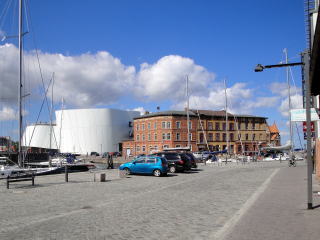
[
  {"x": 39, "y": 112},
  {"x": 294, "y": 83},
  {"x": 4, "y": 13},
  {"x": 25, "y": 12},
  {"x": 37, "y": 55}
]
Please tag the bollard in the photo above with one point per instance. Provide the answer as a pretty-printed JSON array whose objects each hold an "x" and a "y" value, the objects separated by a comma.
[{"x": 66, "y": 173}]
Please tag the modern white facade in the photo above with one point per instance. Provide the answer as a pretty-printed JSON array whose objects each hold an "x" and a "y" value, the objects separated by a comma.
[{"x": 83, "y": 131}]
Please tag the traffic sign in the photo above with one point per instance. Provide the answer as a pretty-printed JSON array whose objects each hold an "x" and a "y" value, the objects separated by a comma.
[{"x": 305, "y": 126}]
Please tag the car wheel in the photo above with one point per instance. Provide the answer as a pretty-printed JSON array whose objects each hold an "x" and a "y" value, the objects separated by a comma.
[
  {"x": 127, "y": 171},
  {"x": 172, "y": 169},
  {"x": 157, "y": 173}
]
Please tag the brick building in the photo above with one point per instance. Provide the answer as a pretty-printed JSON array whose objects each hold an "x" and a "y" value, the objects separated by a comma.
[
  {"x": 153, "y": 132},
  {"x": 156, "y": 131},
  {"x": 243, "y": 133}
]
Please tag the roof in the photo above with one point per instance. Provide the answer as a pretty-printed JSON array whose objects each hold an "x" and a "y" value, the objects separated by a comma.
[
  {"x": 273, "y": 128},
  {"x": 222, "y": 113},
  {"x": 166, "y": 113}
]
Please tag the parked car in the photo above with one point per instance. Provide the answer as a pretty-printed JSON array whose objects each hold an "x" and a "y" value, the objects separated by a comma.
[
  {"x": 94, "y": 154},
  {"x": 155, "y": 165},
  {"x": 175, "y": 163},
  {"x": 193, "y": 160},
  {"x": 187, "y": 161}
]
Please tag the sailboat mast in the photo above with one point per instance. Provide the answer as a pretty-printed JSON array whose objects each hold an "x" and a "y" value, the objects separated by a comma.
[
  {"x": 289, "y": 102},
  {"x": 20, "y": 85},
  {"x": 188, "y": 118},
  {"x": 226, "y": 106}
]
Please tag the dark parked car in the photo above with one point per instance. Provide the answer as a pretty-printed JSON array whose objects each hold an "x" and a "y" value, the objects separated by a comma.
[
  {"x": 193, "y": 160},
  {"x": 94, "y": 154},
  {"x": 175, "y": 161}
]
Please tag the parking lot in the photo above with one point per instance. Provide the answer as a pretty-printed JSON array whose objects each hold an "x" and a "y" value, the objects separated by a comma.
[{"x": 191, "y": 205}]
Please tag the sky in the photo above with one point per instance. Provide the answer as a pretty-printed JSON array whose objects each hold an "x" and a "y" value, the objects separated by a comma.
[{"x": 128, "y": 54}]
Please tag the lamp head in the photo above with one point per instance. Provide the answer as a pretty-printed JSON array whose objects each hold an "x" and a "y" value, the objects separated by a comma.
[{"x": 259, "y": 68}]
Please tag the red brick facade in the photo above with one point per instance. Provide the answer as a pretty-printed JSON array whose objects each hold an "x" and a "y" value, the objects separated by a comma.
[{"x": 155, "y": 133}]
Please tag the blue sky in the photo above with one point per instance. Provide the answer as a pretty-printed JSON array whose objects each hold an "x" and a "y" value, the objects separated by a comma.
[{"x": 150, "y": 45}]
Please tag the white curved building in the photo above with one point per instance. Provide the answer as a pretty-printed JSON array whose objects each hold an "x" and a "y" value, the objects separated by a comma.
[{"x": 84, "y": 130}]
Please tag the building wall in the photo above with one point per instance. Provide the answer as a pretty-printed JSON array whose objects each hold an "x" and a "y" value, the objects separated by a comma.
[
  {"x": 317, "y": 158},
  {"x": 212, "y": 128},
  {"x": 159, "y": 132}
]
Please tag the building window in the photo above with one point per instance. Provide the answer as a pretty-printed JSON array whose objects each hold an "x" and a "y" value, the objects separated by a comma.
[
  {"x": 165, "y": 146},
  {"x": 149, "y": 137},
  {"x": 143, "y": 137},
  {"x": 155, "y": 125},
  {"x": 177, "y": 136},
  {"x": 168, "y": 125},
  {"x": 149, "y": 126},
  {"x": 239, "y": 148},
  {"x": 138, "y": 137},
  {"x": 224, "y": 126},
  {"x": 231, "y": 126},
  {"x": 239, "y": 136},
  {"x": 163, "y": 125},
  {"x": 210, "y": 137},
  {"x": 168, "y": 136},
  {"x": 239, "y": 126},
  {"x": 178, "y": 125},
  {"x": 217, "y": 136},
  {"x": 142, "y": 126},
  {"x": 201, "y": 138},
  {"x": 190, "y": 136},
  {"x": 156, "y": 148},
  {"x": 190, "y": 125},
  {"x": 143, "y": 148},
  {"x": 253, "y": 136},
  {"x": 155, "y": 136},
  {"x": 163, "y": 136},
  {"x": 210, "y": 126},
  {"x": 247, "y": 136},
  {"x": 217, "y": 126},
  {"x": 137, "y": 127},
  {"x": 137, "y": 148},
  {"x": 224, "y": 137},
  {"x": 178, "y": 145},
  {"x": 231, "y": 137}
]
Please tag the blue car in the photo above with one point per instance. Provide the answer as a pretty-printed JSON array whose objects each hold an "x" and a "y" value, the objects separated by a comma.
[{"x": 157, "y": 166}]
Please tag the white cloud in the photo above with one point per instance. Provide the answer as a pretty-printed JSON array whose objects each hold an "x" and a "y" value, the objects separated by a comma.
[
  {"x": 240, "y": 99},
  {"x": 296, "y": 102},
  {"x": 166, "y": 79},
  {"x": 139, "y": 109},
  {"x": 7, "y": 114},
  {"x": 281, "y": 89},
  {"x": 84, "y": 80}
]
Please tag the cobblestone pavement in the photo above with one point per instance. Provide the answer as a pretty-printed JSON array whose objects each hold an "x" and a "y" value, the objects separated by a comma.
[{"x": 191, "y": 205}]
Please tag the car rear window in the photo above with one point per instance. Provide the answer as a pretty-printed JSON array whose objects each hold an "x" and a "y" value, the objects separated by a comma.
[
  {"x": 171, "y": 156},
  {"x": 163, "y": 160}
]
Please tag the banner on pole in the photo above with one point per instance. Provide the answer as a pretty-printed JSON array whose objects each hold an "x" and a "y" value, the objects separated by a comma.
[{"x": 299, "y": 115}]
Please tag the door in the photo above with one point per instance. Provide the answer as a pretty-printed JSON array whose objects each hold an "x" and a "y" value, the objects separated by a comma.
[{"x": 138, "y": 166}]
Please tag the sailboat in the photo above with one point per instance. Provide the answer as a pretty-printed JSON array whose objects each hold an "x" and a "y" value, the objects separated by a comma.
[{"x": 20, "y": 170}]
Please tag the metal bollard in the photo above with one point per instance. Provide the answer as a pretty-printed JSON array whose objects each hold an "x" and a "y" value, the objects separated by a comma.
[{"x": 66, "y": 173}]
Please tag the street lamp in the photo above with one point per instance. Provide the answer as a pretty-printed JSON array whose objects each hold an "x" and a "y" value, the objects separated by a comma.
[
  {"x": 305, "y": 63},
  {"x": 260, "y": 67}
]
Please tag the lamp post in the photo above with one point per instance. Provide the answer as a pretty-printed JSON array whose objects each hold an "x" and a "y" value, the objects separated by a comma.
[{"x": 305, "y": 63}]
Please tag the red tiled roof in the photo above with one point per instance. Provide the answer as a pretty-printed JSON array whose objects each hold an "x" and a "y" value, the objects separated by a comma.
[{"x": 273, "y": 128}]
